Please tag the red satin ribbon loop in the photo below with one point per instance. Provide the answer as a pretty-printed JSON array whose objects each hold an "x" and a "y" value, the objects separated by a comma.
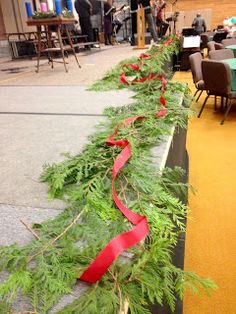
[
  {"x": 162, "y": 101},
  {"x": 132, "y": 66},
  {"x": 144, "y": 56},
  {"x": 168, "y": 42},
  {"x": 161, "y": 113},
  {"x": 123, "y": 80}
]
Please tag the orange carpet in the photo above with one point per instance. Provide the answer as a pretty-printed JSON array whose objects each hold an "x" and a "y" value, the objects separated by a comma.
[{"x": 211, "y": 228}]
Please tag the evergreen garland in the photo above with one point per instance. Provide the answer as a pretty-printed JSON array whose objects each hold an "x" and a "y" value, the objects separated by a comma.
[
  {"x": 47, "y": 268},
  {"x": 52, "y": 14}
]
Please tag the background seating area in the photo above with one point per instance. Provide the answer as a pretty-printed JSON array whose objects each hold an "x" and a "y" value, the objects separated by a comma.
[
  {"x": 217, "y": 79},
  {"x": 216, "y": 76}
]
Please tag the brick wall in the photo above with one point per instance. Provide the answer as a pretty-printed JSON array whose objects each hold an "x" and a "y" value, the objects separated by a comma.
[{"x": 220, "y": 8}]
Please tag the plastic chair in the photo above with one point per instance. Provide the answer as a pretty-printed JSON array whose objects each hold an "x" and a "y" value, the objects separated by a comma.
[
  {"x": 217, "y": 78},
  {"x": 195, "y": 60},
  {"x": 221, "y": 54}
]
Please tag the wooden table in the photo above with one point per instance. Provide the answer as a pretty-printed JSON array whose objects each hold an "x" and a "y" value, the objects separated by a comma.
[{"x": 53, "y": 25}]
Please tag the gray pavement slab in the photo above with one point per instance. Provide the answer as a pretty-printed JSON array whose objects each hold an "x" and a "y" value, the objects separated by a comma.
[
  {"x": 29, "y": 141},
  {"x": 12, "y": 230},
  {"x": 63, "y": 99}
]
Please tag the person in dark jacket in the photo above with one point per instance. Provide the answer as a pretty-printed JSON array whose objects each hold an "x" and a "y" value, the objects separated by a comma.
[
  {"x": 84, "y": 10},
  {"x": 199, "y": 24}
]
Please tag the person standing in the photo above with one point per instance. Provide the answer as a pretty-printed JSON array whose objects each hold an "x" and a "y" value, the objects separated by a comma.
[
  {"x": 199, "y": 24},
  {"x": 109, "y": 22},
  {"x": 108, "y": 17},
  {"x": 84, "y": 10},
  {"x": 149, "y": 18},
  {"x": 116, "y": 23},
  {"x": 160, "y": 22}
]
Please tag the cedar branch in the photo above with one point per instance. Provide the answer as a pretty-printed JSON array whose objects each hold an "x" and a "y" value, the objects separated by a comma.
[
  {"x": 28, "y": 227},
  {"x": 51, "y": 243}
]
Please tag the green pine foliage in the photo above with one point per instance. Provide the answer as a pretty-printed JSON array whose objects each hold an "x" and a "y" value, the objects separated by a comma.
[
  {"x": 160, "y": 55},
  {"x": 46, "y": 269}
]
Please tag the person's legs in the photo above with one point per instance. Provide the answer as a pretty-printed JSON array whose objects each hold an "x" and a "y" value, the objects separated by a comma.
[
  {"x": 151, "y": 26},
  {"x": 81, "y": 21},
  {"x": 158, "y": 24},
  {"x": 88, "y": 28},
  {"x": 118, "y": 25},
  {"x": 106, "y": 39},
  {"x": 164, "y": 28},
  {"x": 107, "y": 31},
  {"x": 110, "y": 38}
]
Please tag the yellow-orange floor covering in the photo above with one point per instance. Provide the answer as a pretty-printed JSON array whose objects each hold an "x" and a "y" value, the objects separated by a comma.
[{"x": 211, "y": 228}]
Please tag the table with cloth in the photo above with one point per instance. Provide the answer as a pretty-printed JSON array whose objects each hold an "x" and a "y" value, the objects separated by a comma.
[
  {"x": 232, "y": 65},
  {"x": 233, "y": 48}
]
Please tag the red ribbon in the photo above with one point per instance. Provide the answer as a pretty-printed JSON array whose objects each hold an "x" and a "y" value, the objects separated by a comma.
[
  {"x": 123, "y": 79},
  {"x": 143, "y": 79},
  {"x": 126, "y": 240},
  {"x": 152, "y": 76},
  {"x": 168, "y": 42},
  {"x": 132, "y": 66},
  {"x": 144, "y": 56},
  {"x": 161, "y": 113}
]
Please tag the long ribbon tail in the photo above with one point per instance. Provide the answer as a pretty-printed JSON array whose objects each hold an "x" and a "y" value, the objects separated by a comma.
[{"x": 113, "y": 249}]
